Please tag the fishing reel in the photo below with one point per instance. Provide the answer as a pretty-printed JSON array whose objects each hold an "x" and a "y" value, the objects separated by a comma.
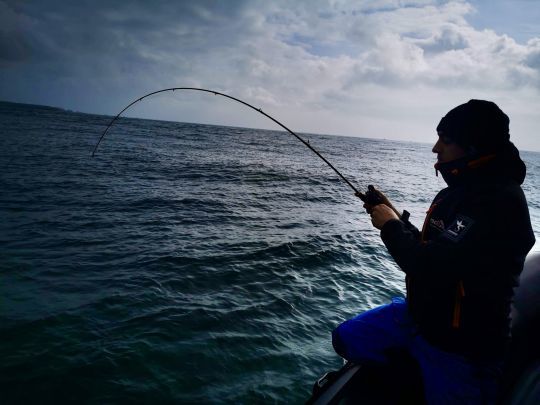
[{"x": 372, "y": 197}]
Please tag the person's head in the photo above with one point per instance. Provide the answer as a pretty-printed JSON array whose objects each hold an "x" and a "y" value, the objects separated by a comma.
[
  {"x": 473, "y": 129},
  {"x": 447, "y": 150}
]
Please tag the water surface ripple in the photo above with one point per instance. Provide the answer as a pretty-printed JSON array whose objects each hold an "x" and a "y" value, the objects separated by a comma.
[{"x": 188, "y": 263}]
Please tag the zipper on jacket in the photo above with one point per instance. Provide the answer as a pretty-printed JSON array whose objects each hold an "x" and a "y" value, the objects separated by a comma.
[
  {"x": 460, "y": 293},
  {"x": 422, "y": 240},
  {"x": 426, "y": 222}
]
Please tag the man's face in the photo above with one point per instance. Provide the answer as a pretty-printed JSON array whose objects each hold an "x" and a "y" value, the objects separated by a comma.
[{"x": 447, "y": 150}]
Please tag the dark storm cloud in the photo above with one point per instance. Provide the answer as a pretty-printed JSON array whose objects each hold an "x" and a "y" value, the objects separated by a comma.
[
  {"x": 51, "y": 50},
  {"x": 42, "y": 31}
]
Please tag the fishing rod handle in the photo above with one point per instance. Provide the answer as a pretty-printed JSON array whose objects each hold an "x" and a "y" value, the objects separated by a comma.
[{"x": 372, "y": 197}]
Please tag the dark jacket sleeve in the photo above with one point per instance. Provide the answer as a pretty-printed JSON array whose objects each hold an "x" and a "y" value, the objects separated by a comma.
[
  {"x": 411, "y": 228},
  {"x": 446, "y": 252}
]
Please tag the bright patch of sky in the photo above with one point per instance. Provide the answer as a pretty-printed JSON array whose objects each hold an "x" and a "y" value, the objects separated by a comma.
[
  {"x": 371, "y": 68},
  {"x": 519, "y": 19}
]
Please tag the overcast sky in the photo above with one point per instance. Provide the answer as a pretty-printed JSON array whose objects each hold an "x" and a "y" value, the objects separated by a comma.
[{"x": 371, "y": 68}]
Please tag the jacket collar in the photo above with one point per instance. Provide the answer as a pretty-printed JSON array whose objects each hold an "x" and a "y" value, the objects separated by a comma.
[
  {"x": 464, "y": 169},
  {"x": 504, "y": 163}
]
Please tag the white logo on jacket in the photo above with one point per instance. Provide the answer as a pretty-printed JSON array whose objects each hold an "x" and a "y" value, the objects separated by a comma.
[{"x": 458, "y": 228}]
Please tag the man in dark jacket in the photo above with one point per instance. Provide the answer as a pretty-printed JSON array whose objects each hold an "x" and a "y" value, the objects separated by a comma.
[{"x": 460, "y": 268}]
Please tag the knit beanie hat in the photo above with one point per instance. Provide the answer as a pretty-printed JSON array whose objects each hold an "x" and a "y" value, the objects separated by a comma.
[{"x": 479, "y": 125}]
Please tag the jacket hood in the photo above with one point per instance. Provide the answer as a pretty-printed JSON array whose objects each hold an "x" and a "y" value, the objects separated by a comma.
[{"x": 502, "y": 163}]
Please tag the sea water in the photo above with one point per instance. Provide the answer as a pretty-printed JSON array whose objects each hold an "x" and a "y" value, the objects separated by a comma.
[{"x": 189, "y": 263}]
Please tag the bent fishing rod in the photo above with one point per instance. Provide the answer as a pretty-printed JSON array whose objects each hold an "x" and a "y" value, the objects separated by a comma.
[{"x": 362, "y": 196}]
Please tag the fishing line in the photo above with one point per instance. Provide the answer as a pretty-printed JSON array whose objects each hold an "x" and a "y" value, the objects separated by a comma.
[{"x": 259, "y": 110}]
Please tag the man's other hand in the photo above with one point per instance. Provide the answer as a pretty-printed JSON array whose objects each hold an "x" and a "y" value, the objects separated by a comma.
[{"x": 381, "y": 214}]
